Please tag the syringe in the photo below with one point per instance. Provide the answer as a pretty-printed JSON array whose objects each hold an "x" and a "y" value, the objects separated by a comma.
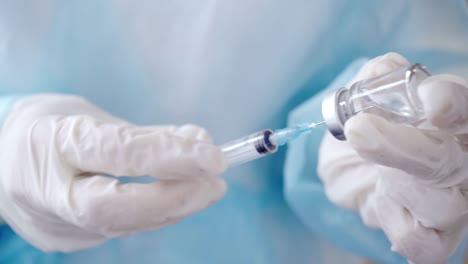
[
  {"x": 392, "y": 96},
  {"x": 262, "y": 143}
]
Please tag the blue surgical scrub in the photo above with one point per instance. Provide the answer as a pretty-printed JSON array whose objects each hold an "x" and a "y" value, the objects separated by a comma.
[{"x": 233, "y": 67}]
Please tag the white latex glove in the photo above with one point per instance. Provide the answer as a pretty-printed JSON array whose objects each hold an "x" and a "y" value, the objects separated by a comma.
[
  {"x": 54, "y": 152},
  {"x": 409, "y": 183}
]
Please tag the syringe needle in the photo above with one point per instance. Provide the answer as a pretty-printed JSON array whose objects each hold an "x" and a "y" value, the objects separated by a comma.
[
  {"x": 262, "y": 143},
  {"x": 283, "y": 136},
  {"x": 314, "y": 125}
]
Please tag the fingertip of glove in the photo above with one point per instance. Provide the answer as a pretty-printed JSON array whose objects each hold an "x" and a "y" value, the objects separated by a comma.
[
  {"x": 219, "y": 188},
  {"x": 389, "y": 62},
  {"x": 444, "y": 98},
  {"x": 360, "y": 130},
  {"x": 381, "y": 65},
  {"x": 396, "y": 58},
  {"x": 211, "y": 159},
  {"x": 210, "y": 189},
  {"x": 194, "y": 132}
]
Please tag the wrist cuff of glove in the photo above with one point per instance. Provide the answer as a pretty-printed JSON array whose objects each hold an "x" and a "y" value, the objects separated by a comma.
[{"x": 6, "y": 102}]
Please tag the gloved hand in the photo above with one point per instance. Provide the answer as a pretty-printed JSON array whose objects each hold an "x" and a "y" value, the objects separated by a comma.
[
  {"x": 412, "y": 184},
  {"x": 55, "y": 151}
]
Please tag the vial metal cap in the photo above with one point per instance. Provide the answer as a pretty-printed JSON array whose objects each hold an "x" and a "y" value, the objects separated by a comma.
[{"x": 332, "y": 114}]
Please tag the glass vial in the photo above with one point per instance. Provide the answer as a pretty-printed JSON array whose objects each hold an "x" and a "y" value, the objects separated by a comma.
[{"x": 393, "y": 96}]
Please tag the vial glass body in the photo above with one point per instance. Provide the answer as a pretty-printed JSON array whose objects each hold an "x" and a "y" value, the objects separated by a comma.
[{"x": 393, "y": 96}]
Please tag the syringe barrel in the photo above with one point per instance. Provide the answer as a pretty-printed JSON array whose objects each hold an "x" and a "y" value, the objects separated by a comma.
[{"x": 249, "y": 148}]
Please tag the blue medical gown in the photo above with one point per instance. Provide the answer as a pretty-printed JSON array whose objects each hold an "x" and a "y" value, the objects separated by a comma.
[{"x": 234, "y": 67}]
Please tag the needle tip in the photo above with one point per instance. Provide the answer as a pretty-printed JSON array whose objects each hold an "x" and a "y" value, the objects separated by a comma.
[{"x": 313, "y": 125}]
